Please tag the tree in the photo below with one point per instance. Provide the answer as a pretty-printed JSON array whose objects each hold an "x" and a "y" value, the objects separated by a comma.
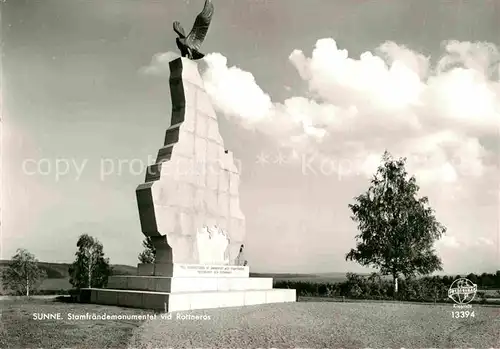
[
  {"x": 90, "y": 269},
  {"x": 447, "y": 280},
  {"x": 397, "y": 230},
  {"x": 473, "y": 278},
  {"x": 148, "y": 255},
  {"x": 376, "y": 284},
  {"x": 22, "y": 275},
  {"x": 486, "y": 280}
]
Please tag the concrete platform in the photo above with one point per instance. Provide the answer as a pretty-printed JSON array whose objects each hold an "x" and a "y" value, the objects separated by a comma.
[
  {"x": 182, "y": 301},
  {"x": 188, "y": 284},
  {"x": 188, "y": 287}
]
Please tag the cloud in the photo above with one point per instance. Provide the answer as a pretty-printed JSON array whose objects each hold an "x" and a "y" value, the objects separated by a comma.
[
  {"x": 449, "y": 241},
  {"x": 482, "y": 57},
  {"x": 159, "y": 64},
  {"x": 443, "y": 118},
  {"x": 485, "y": 241},
  {"x": 438, "y": 116},
  {"x": 235, "y": 90}
]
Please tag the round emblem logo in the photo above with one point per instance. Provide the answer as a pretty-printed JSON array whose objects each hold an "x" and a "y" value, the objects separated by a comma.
[{"x": 462, "y": 291}]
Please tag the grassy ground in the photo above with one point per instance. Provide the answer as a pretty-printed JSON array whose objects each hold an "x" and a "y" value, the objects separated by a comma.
[
  {"x": 491, "y": 293},
  {"x": 303, "y": 324},
  {"x": 313, "y": 279},
  {"x": 18, "y": 329},
  {"x": 325, "y": 325},
  {"x": 493, "y": 302},
  {"x": 55, "y": 284}
]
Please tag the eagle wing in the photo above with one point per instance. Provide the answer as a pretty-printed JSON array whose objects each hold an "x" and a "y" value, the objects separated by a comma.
[
  {"x": 179, "y": 29},
  {"x": 200, "y": 27}
]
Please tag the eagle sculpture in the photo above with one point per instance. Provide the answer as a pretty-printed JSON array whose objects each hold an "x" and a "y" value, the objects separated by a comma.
[{"x": 190, "y": 45}]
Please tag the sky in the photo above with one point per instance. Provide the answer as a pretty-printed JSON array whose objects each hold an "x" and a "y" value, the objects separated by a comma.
[{"x": 309, "y": 94}]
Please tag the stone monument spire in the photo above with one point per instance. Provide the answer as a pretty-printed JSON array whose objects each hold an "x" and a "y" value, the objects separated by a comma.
[{"x": 194, "y": 182}]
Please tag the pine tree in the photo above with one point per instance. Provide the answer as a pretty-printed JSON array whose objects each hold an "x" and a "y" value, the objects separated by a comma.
[{"x": 148, "y": 255}]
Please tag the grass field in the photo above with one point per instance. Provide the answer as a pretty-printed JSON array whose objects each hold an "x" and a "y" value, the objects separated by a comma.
[
  {"x": 326, "y": 325},
  {"x": 18, "y": 329},
  {"x": 55, "y": 284},
  {"x": 303, "y": 324},
  {"x": 311, "y": 278}
]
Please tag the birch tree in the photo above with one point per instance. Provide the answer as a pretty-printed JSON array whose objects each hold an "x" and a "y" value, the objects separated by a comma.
[
  {"x": 90, "y": 268},
  {"x": 397, "y": 230},
  {"x": 23, "y": 276}
]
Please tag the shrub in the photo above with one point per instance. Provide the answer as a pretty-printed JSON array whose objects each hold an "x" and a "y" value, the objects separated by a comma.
[
  {"x": 425, "y": 289},
  {"x": 481, "y": 297},
  {"x": 356, "y": 292}
]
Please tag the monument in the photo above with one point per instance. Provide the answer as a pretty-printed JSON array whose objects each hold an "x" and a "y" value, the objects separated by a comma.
[{"x": 189, "y": 206}]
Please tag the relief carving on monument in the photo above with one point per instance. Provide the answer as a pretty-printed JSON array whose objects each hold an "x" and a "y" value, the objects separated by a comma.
[{"x": 212, "y": 243}]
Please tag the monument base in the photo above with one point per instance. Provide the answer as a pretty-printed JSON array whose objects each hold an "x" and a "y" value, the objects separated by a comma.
[
  {"x": 170, "y": 302},
  {"x": 181, "y": 287}
]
